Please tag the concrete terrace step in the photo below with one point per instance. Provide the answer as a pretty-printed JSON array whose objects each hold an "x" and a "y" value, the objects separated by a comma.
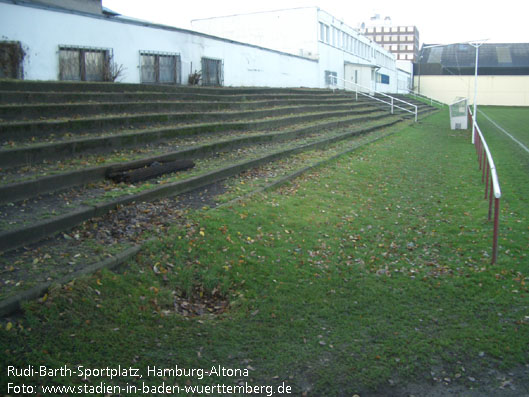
[
  {"x": 25, "y": 113},
  {"x": 18, "y": 236},
  {"x": 74, "y": 134},
  {"x": 47, "y": 97},
  {"x": 20, "y": 131},
  {"x": 62, "y": 149},
  {"x": 64, "y": 87},
  {"x": 65, "y": 176}
]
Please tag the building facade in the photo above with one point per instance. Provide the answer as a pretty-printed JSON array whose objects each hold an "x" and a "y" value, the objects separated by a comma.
[
  {"x": 403, "y": 41},
  {"x": 44, "y": 42},
  {"x": 345, "y": 57},
  {"x": 41, "y": 42}
]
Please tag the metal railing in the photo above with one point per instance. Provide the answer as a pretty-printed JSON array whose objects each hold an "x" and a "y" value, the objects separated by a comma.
[
  {"x": 391, "y": 101},
  {"x": 489, "y": 177},
  {"x": 425, "y": 98}
]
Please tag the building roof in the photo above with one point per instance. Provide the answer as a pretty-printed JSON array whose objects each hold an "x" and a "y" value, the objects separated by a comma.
[{"x": 459, "y": 59}]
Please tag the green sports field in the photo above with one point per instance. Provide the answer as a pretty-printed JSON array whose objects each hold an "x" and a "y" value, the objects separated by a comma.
[{"x": 370, "y": 275}]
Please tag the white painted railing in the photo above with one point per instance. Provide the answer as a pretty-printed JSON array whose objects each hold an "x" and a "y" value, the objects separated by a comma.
[
  {"x": 489, "y": 175},
  {"x": 391, "y": 99}
]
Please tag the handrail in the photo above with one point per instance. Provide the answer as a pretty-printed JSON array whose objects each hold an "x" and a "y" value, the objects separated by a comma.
[
  {"x": 486, "y": 164},
  {"x": 432, "y": 101},
  {"x": 393, "y": 99}
]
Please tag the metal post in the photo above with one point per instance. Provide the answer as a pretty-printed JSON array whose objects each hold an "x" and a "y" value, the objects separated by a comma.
[
  {"x": 490, "y": 198},
  {"x": 487, "y": 182},
  {"x": 495, "y": 233}
]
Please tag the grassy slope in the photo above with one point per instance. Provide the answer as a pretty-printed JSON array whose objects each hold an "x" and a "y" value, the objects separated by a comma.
[{"x": 371, "y": 271}]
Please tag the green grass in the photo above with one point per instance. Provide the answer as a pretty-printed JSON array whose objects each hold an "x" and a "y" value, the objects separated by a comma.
[{"x": 374, "y": 269}]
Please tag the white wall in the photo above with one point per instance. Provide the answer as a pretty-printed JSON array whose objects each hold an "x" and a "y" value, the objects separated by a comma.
[
  {"x": 297, "y": 31},
  {"x": 337, "y": 58},
  {"x": 41, "y": 31},
  {"x": 292, "y": 30}
]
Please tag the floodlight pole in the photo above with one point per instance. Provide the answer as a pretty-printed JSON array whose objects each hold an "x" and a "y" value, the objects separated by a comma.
[{"x": 475, "y": 114}]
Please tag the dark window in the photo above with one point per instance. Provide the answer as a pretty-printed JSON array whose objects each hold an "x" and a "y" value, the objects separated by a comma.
[
  {"x": 84, "y": 64},
  {"x": 212, "y": 72},
  {"x": 11, "y": 57},
  {"x": 160, "y": 68}
]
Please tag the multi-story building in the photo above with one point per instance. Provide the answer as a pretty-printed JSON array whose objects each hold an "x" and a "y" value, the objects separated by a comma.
[
  {"x": 403, "y": 41},
  {"x": 343, "y": 54}
]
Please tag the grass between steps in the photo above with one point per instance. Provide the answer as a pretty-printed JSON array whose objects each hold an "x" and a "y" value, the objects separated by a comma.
[{"x": 369, "y": 272}]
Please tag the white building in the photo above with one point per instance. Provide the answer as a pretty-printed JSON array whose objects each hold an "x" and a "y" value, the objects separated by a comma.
[
  {"x": 74, "y": 44},
  {"x": 61, "y": 44},
  {"x": 342, "y": 53}
]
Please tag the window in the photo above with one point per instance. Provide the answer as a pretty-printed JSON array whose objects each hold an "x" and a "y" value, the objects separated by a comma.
[
  {"x": 331, "y": 78},
  {"x": 162, "y": 68},
  {"x": 212, "y": 72},
  {"x": 11, "y": 57},
  {"x": 84, "y": 64},
  {"x": 382, "y": 78}
]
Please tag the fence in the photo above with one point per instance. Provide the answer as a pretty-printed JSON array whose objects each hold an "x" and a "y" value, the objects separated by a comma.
[{"x": 489, "y": 177}]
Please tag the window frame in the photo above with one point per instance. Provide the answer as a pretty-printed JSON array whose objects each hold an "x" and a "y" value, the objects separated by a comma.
[{"x": 176, "y": 74}]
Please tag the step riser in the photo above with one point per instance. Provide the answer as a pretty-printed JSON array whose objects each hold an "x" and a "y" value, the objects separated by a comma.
[
  {"x": 140, "y": 115},
  {"x": 57, "y": 86},
  {"x": 25, "y": 98},
  {"x": 61, "y": 150}
]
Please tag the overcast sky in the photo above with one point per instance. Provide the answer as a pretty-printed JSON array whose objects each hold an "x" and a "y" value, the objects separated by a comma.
[{"x": 443, "y": 22}]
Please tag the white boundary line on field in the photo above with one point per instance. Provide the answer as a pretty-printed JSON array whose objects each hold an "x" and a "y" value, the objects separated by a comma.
[{"x": 505, "y": 131}]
